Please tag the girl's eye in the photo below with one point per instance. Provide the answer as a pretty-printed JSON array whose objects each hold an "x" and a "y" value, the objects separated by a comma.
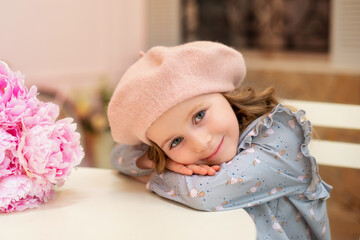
[
  {"x": 199, "y": 116},
  {"x": 175, "y": 142}
]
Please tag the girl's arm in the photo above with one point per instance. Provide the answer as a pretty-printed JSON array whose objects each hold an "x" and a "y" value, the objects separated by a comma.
[
  {"x": 133, "y": 161},
  {"x": 246, "y": 181}
]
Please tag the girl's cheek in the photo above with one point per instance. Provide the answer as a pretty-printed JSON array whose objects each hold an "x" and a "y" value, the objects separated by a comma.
[{"x": 219, "y": 123}]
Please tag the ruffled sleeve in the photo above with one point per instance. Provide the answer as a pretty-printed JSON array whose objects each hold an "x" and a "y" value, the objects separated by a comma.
[
  {"x": 273, "y": 161},
  {"x": 297, "y": 123}
]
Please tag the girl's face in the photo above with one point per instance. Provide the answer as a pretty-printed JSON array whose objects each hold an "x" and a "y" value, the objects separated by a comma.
[{"x": 199, "y": 130}]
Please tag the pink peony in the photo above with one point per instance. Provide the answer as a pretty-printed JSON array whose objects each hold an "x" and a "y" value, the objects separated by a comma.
[
  {"x": 16, "y": 102},
  {"x": 11, "y": 84},
  {"x": 36, "y": 151},
  {"x": 45, "y": 113},
  {"x": 8, "y": 144},
  {"x": 48, "y": 152},
  {"x": 18, "y": 192}
]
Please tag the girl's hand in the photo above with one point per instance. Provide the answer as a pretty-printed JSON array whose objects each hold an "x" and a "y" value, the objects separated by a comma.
[
  {"x": 191, "y": 169},
  {"x": 144, "y": 162}
]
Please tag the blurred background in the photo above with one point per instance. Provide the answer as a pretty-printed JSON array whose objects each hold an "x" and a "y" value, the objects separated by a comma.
[{"x": 309, "y": 50}]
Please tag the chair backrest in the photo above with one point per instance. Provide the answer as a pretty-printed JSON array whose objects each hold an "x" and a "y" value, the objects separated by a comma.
[{"x": 332, "y": 117}]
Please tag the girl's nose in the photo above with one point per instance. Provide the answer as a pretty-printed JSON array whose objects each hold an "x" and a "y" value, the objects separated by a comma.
[{"x": 200, "y": 141}]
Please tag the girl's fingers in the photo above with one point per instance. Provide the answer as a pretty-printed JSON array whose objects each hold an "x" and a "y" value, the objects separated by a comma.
[
  {"x": 178, "y": 168},
  {"x": 197, "y": 169},
  {"x": 184, "y": 170},
  {"x": 203, "y": 169},
  {"x": 210, "y": 170},
  {"x": 215, "y": 167},
  {"x": 191, "y": 168}
]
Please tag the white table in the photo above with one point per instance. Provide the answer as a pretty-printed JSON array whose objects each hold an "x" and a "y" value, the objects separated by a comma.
[{"x": 101, "y": 204}]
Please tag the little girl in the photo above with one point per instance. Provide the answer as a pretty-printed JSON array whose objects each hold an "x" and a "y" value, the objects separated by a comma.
[{"x": 215, "y": 146}]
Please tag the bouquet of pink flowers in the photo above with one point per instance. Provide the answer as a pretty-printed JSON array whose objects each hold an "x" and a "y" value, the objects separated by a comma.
[{"x": 36, "y": 151}]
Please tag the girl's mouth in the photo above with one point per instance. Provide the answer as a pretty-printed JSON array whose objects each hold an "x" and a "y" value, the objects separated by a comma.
[{"x": 216, "y": 151}]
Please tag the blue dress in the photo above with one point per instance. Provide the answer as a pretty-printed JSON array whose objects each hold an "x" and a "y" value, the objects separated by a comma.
[{"x": 273, "y": 177}]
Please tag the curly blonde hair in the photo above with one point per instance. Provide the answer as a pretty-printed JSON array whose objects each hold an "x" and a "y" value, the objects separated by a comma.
[{"x": 247, "y": 104}]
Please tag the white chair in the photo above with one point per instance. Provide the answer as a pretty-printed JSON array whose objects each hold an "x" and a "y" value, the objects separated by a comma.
[{"x": 332, "y": 115}]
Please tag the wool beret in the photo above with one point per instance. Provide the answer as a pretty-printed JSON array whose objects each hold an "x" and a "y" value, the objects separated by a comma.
[{"x": 166, "y": 76}]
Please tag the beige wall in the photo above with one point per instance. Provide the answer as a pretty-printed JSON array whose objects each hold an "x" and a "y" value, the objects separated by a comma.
[{"x": 71, "y": 42}]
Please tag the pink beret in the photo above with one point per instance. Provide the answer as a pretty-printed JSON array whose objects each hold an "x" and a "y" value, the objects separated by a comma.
[{"x": 166, "y": 76}]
